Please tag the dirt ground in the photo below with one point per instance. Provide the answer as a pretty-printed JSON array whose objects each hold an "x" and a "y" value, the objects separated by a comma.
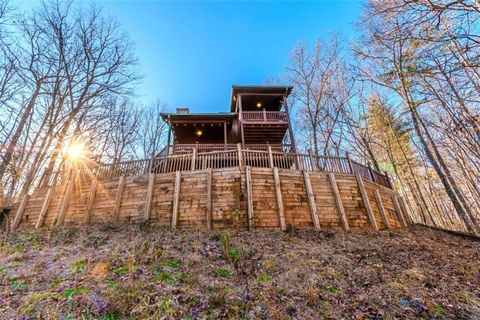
[{"x": 140, "y": 272}]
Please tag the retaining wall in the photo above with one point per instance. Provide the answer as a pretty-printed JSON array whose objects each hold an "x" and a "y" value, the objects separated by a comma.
[{"x": 238, "y": 197}]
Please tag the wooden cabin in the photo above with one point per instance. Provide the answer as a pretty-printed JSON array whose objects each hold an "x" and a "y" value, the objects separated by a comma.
[
  {"x": 258, "y": 118},
  {"x": 242, "y": 161}
]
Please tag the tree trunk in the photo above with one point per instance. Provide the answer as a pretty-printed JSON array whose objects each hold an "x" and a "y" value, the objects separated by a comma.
[{"x": 18, "y": 132}]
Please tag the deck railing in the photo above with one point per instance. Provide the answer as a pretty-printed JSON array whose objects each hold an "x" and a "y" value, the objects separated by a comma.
[
  {"x": 264, "y": 116},
  {"x": 224, "y": 159},
  {"x": 186, "y": 148},
  {"x": 286, "y": 148}
]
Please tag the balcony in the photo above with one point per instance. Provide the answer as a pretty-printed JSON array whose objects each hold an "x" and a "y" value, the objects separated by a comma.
[
  {"x": 179, "y": 149},
  {"x": 200, "y": 148},
  {"x": 264, "y": 117}
]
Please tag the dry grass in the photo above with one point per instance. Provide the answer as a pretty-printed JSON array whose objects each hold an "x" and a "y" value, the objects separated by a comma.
[{"x": 116, "y": 272}]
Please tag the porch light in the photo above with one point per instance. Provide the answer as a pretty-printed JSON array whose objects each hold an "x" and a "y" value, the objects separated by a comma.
[
  {"x": 259, "y": 104},
  {"x": 199, "y": 133}
]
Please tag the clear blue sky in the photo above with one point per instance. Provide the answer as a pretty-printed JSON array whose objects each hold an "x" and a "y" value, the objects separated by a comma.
[{"x": 190, "y": 53}]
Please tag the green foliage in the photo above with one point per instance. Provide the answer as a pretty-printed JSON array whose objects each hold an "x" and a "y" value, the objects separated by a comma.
[
  {"x": 121, "y": 271},
  {"x": 165, "y": 277},
  {"x": 389, "y": 137},
  {"x": 438, "y": 310},
  {"x": 234, "y": 255},
  {"x": 78, "y": 266},
  {"x": 224, "y": 273},
  {"x": 96, "y": 240},
  {"x": 17, "y": 284},
  {"x": 17, "y": 248},
  {"x": 264, "y": 278},
  {"x": 36, "y": 297},
  {"x": 225, "y": 244},
  {"x": 166, "y": 306},
  {"x": 55, "y": 284},
  {"x": 69, "y": 293},
  {"x": 235, "y": 217},
  {"x": 171, "y": 264},
  {"x": 3, "y": 271},
  {"x": 333, "y": 291}
]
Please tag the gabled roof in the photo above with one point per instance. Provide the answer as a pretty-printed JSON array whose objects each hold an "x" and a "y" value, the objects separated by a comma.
[{"x": 236, "y": 89}]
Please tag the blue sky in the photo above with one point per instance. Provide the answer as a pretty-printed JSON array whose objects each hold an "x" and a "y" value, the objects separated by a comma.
[{"x": 190, "y": 53}]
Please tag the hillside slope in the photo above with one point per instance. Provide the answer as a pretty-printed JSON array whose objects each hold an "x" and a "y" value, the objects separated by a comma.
[{"x": 116, "y": 272}]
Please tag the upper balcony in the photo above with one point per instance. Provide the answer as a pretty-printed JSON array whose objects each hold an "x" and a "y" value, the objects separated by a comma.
[
  {"x": 180, "y": 149},
  {"x": 264, "y": 117}
]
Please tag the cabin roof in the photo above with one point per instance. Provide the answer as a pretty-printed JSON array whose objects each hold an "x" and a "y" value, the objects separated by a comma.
[
  {"x": 260, "y": 89},
  {"x": 225, "y": 116}
]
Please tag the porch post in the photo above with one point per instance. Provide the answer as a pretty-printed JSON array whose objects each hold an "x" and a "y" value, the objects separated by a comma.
[
  {"x": 240, "y": 118},
  {"x": 225, "y": 134},
  {"x": 290, "y": 131},
  {"x": 169, "y": 135}
]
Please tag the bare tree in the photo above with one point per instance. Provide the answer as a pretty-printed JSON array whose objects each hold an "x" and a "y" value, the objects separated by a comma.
[{"x": 152, "y": 130}]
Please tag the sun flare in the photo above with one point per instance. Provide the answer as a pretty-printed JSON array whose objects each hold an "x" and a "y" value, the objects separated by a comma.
[{"x": 74, "y": 151}]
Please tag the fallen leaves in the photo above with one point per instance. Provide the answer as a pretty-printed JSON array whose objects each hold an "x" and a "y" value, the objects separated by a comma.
[{"x": 114, "y": 271}]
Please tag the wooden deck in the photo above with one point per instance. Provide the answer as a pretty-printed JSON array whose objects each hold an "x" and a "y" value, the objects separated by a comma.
[
  {"x": 229, "y": 158},
  {"x": 242, "y": 189}
]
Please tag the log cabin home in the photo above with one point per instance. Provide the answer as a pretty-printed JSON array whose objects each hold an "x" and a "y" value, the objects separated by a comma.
[
  {"x": 244, "y": 161},
  {"x": 258, "y": 118}
]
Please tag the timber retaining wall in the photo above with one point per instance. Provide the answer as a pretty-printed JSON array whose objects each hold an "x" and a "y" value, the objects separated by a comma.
[{"x": 238, "y": 197}]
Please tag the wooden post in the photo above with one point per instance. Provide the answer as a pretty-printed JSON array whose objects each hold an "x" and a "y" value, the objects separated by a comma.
[
  {"x": 225, "y": 134},
  {"x": 366, "y": 203},
  {"x": 338, "y": 201},
  {"x": 313, "y": 163},
  {"x": 176, "y": 199},
  {"x": 278, "y": 193},
  {"x": 20, "y": 211},
  {"x": 390, "y": 185},
  {"x": 118, "y": 198},
  {"x": 239, "y": 100},
  {"x": 240, "y": 159},
  {"x": 381, "y": 208},
  {"x": 150, "y": 164},
  {"x": 290, "y": 130},
  {"x": 241, "y": 133},
  {"x": 371, "y": 172},
  {"x": 148, "y": 198},
  {"x": 45, "y": 205},
  {"x": 64, "y": 204},
  {"x": 406, "y": 216},
  {"x": 398, "y": 211},
  {"x": 91, "y": 201},
  {"x": 194, "y": 155},
  {"x": 209, "y": 199},
  {"x": 311, "y": 200},
  {"x": 264, "y": 115},
  {"x": 240, "y": 118},
  {"x": 350, "y": 164},
  {"x": 248, "y": 175},
  {"x": 43, "y": 182},
  {"x": 270, "y": 156}
]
